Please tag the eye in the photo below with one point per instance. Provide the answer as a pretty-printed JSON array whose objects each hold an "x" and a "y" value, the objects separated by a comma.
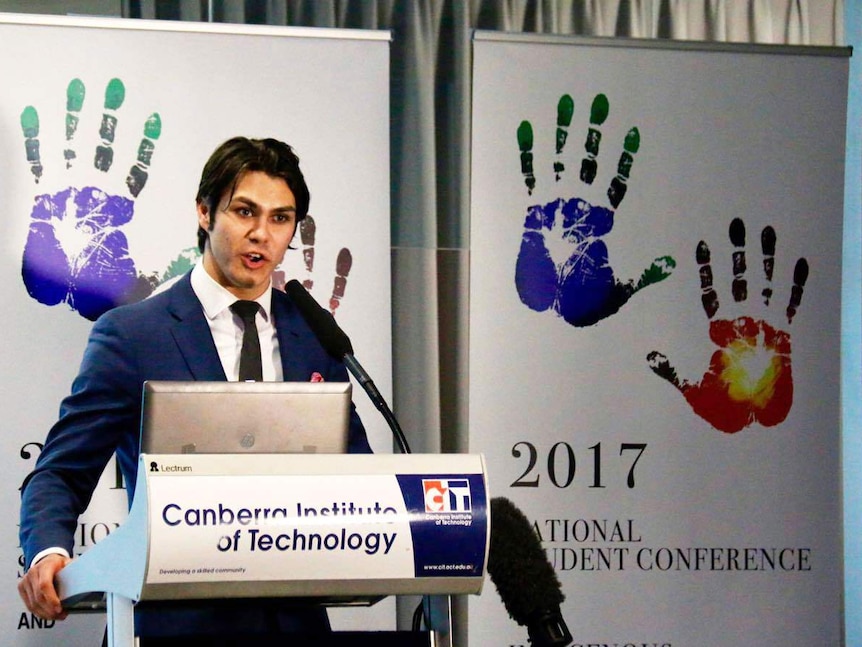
[
  {"x": 283, "y": 217},
  {"x": 244, "y": 211}
]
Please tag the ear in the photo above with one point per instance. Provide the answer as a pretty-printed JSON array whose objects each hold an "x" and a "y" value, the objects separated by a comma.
[{"x": 203, "y": 215}]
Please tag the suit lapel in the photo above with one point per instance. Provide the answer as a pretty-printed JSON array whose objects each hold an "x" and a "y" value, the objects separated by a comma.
[
  {"x": 292, "y": 339},
  {"x": 194, "y": 339},
  {"x": 192, "y": 334}
]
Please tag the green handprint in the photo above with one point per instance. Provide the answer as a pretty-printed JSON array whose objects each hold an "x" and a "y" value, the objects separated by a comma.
[
  {"x": 580, "y": 287},
  {"x": 76, "y": 251}
]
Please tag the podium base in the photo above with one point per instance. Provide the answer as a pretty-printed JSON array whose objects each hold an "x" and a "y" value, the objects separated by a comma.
[
  {"x": 121, "y": 620},
  {"x": 334, "y": 639}
]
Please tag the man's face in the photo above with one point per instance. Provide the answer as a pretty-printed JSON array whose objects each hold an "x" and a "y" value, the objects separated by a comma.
[{"x": 252, "y": 230}]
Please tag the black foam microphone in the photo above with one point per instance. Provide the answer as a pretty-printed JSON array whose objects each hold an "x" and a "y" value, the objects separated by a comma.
[
  {"x": 333, "y": 339},
  {"x": 336, "y": 342},
  {"x": 524, "y": 577}
]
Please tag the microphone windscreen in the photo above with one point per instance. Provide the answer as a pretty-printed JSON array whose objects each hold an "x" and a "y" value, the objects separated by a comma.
[
  {"x": 333, "y": 339},
  {"x": 518, "y": 566}
]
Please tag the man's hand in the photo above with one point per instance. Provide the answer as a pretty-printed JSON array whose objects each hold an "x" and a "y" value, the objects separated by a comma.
[{"x": 37, "y": 588}]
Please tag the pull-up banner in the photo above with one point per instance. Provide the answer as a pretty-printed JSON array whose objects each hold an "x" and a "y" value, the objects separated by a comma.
[
  {"x": 105, "y": 125},
  {"x": 654, "y": 332}
]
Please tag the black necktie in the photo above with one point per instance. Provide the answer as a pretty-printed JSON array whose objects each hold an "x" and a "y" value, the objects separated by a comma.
[{"x": 250, "y": 367}]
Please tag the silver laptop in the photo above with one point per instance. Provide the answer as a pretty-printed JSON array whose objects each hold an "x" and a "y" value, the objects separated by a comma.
[{"x": 245, "y": 417}]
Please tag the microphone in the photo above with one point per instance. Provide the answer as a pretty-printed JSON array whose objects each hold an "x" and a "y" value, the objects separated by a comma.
[
  {"x": 524, "y": 577},
  {"x": 336, "y": 342}
]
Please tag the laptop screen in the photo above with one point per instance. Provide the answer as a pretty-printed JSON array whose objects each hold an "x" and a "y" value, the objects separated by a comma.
[{"x": 245, "y": 417}]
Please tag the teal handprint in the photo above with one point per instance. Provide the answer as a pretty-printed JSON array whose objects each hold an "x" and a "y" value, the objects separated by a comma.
[
  {"x": 580, "y": 287},
  {"x": 76, "y": 252}
]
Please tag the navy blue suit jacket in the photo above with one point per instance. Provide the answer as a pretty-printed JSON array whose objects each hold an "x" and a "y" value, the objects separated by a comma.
[{"x": 164, "y": 337}]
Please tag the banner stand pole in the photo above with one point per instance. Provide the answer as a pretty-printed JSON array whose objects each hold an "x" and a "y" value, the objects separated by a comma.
[
  {"x": 121, "y": 621},
  {"x": 438, "y": 611}
]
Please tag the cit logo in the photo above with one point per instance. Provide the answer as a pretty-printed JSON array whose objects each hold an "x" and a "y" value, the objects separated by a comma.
[{"x": 447, "y": 495}]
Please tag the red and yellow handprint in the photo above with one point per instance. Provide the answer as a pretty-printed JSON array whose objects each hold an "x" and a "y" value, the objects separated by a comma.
[{"x": 749, "y": 379}]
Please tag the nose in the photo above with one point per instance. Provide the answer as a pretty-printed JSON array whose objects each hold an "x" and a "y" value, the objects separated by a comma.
[{"x": 259, "y": 229}]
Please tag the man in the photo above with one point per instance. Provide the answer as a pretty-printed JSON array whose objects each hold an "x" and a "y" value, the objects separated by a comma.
[{"x": 251, "y": 197}]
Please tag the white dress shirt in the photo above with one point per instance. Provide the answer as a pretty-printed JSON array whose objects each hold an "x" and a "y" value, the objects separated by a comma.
[{"x": 226, "y": 327}]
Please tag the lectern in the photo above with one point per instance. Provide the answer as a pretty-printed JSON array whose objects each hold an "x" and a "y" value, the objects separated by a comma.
[{"x": 331, "y": 529}]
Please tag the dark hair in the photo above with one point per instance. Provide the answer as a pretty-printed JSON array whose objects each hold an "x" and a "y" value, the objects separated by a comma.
[{"x": 240, "y": 155}]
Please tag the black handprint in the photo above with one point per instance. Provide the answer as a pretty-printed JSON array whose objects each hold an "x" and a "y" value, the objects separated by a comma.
[{"x": 343, "y": 264}]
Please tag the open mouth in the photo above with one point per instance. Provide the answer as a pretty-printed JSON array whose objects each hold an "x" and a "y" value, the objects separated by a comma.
[{"x": 254, "y": 260}]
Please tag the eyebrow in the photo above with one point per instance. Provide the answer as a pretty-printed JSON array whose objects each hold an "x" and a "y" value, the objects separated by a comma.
[{"x": 251, "y": 203}]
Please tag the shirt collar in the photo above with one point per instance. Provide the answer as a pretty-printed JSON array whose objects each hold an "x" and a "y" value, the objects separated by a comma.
[{"x": 215, "y": 298}]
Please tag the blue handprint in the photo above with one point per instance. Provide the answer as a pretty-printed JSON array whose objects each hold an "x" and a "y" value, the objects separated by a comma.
[
  {"x": 76, "y": 252},
  {"x": 581, "y": 287}
]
